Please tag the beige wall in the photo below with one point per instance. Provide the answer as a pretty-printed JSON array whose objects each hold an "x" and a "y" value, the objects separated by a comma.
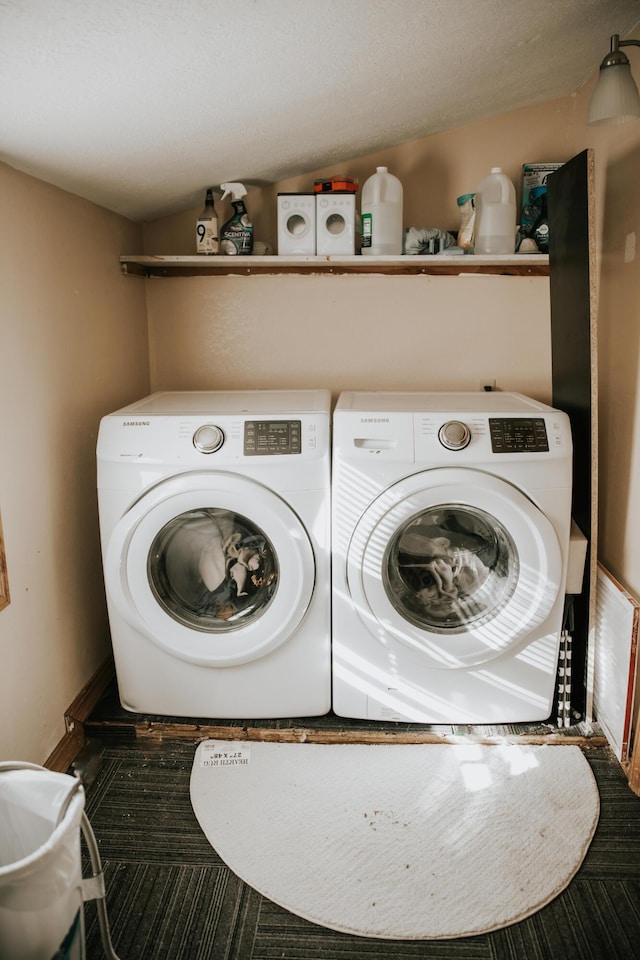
[
  {"x": 74, "y": 346},
  {"x": 362, "y": 333},
  {"x": 619, "y": 368}
]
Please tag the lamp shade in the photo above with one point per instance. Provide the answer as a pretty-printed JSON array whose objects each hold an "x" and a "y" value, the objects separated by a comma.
[{"x": 615, "y": 98}]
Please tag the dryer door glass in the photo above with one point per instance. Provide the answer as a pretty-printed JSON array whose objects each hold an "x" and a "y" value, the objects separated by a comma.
[
  {"x": 212, "y": 569},
  {"x": 449, "y": 567}
]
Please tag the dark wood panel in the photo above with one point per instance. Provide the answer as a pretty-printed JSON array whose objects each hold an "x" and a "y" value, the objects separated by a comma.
[
  {"x": 571, "y": 205},
  {"x": 570, "y": 290}
]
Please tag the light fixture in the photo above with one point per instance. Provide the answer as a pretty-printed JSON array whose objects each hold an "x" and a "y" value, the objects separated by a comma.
[{"x": 615, "y": 98}]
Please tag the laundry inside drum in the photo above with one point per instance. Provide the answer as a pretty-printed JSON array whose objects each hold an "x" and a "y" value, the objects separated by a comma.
[
  {"x": 212, "y": 569},
  {"x": 450, "y": 568}
]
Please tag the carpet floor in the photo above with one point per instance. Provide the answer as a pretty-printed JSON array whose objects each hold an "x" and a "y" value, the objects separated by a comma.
[{"x": 170, "y": 897}]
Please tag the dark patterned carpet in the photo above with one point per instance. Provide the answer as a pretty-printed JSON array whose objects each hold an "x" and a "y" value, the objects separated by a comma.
[{"x": 170, "y": 897}]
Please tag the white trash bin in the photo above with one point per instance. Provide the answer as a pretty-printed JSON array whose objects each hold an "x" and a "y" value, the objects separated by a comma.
[{"x": 41, "y": 885}]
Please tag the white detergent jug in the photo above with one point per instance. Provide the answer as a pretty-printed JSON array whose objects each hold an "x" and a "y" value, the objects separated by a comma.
[
  {"x": 381, "y": 215},
  {"x": 495, "y": 224}
]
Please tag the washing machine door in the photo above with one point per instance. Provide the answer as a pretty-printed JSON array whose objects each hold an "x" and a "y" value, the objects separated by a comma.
[
  {"x": 456, "y": 563},
  {"x": 214, "y": 568}
]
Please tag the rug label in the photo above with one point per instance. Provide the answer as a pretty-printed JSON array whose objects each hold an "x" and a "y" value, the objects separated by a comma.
[{"x": 221, "y": 754}]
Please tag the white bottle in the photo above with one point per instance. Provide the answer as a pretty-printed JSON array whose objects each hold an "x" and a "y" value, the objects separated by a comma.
[
  {"x": 495, "y": 224},
  {"x": 381, "y": 215},
  {"x": 207, "y": 227}
]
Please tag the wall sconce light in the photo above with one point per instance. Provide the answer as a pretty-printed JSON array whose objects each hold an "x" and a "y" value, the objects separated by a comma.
[{"x": 615, "y": 98}]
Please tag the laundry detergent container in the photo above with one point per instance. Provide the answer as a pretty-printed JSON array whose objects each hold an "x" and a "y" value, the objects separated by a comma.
[
  {"x": 381, "y": 215},
  {"x": 495, "y": 220},
  {"x": 41, "y": 916}
]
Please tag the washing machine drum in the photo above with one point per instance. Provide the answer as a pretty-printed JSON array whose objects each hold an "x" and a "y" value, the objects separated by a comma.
[
  {"x": 458, "y": 564},
  {"x": 214, "y": 568}
]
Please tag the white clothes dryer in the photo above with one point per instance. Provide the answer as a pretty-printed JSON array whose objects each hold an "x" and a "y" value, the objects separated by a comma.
[
  {"x": 215, "y": 525},
  {"x": 450, "y": 539}
]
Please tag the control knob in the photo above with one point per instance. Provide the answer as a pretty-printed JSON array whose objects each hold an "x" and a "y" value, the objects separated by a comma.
[
  {"x": 454, "y": 435},
  {"x": 208, "y": 438}
]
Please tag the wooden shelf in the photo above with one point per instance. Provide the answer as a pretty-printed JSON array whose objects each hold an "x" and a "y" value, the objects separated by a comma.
[{"x": 525, "y": 265}]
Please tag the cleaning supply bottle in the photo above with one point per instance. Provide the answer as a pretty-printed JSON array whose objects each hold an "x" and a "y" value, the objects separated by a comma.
[
  {"x": 540, "y": 230},
  {"x": 495, "y": 226},
  {"x": 467, "y": 210},
  {"x": 207, "y": 227},
  {"x": 381, "y": 215},
  {"x": 236, "y": 236}
]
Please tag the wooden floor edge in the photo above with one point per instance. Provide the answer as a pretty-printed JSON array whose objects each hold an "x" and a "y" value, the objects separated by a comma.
[
  {"x": 66, "y": 750},
  {"x": 159, "y": 731},
  {"x": 63, "y": 755},
  {"x": 85, "y": 702}
]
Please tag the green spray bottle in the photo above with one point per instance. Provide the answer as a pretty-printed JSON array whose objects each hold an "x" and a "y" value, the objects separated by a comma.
[{"x": 236, "y": 235}]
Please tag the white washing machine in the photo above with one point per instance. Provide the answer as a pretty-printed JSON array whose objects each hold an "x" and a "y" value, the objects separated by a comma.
[
  {"x": 450, "y": 539},
  {"x": 215, "y": 526}
]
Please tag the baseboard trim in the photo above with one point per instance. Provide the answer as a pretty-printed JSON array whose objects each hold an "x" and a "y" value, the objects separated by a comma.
[{"x": 61, "y": 758}]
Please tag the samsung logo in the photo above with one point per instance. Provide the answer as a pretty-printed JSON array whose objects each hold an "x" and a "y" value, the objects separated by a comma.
[
  {"x": 374, "y": 419},
  {"x": 136, "y": 423}
]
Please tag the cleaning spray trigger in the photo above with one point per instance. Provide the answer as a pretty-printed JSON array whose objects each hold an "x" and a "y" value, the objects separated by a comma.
[{"x": 236, "y": 190}]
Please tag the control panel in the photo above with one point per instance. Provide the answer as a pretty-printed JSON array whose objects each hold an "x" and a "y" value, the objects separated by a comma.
[
  {"x": 222, "y": 440},
  {"x": 269, "y": 437},
  {"x": 470, "y": 436},
  {"x": 518, "y": 435}
]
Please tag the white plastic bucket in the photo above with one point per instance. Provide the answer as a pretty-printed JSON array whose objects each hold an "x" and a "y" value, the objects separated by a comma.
[
  {"x": 41, "y": 896},
  {"x": 381, "y": 215},
  {"x": 495, "y": 222}
]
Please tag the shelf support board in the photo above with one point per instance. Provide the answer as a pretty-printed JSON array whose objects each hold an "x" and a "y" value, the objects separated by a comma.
[{"x": 147, "y": 267}]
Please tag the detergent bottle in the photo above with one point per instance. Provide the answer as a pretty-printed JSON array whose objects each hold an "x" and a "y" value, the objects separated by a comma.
[
  {"x": 236, "y": 235},
  {"x": 381, "y": 215},
  {"x": 495, "y": 226}
]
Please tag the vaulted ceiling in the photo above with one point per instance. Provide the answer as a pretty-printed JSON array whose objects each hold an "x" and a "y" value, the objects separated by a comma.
[{"x": 140, "y": 104}]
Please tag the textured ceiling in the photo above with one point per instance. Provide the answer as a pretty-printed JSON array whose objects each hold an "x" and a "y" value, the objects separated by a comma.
[{"x": 140, "y": 104}]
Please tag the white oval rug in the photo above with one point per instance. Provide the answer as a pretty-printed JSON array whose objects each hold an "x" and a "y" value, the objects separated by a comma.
[{"x": 417, "y": 842}]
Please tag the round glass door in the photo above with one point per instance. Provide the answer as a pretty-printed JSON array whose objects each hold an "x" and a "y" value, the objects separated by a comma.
[
  {"x": 449, "y": 567},
  {"x": 214, "y": 568},
  {"x": 458, "y": 564}
]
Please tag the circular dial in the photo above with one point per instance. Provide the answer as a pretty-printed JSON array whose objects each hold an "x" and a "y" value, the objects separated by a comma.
[
  {"x": 454, "y": 435},
  {"x": 208, "y": 438}
]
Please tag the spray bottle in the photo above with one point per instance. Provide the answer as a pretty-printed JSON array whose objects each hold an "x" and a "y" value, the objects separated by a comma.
[
  {"x": 207, "y": 227},
  {"x": 236, "y": 235}
]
